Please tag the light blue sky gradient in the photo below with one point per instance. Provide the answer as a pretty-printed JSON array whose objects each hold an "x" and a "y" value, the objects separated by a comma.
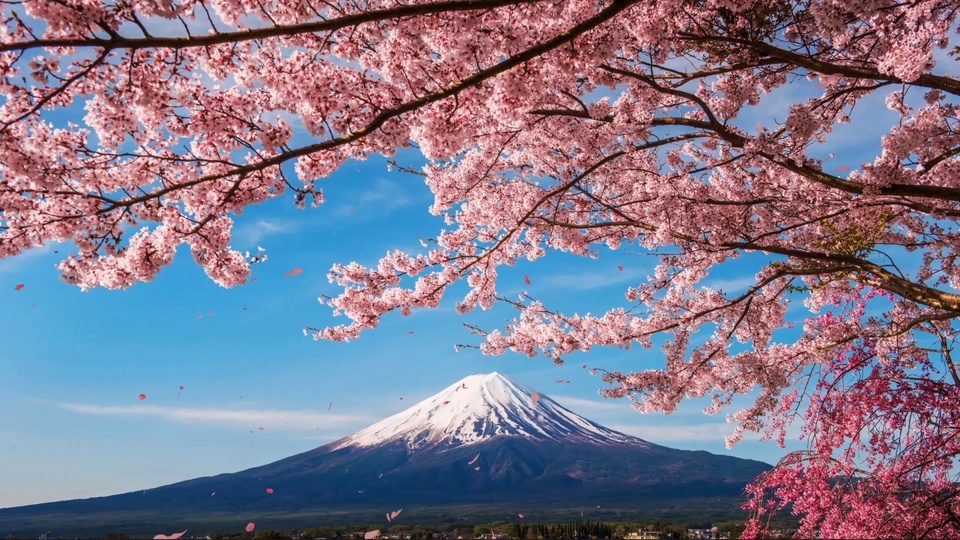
[{"x": 74, "y": 362}]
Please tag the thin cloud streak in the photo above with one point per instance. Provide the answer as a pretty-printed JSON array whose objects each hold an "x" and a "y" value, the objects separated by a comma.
[
  {"x": 587, "y": 281},
  {"x": 684, "y": 432},
  {"x": 270, "y": 418},
  {"x": 592, "y": 405},
  {"x": 252, "y": 233}
]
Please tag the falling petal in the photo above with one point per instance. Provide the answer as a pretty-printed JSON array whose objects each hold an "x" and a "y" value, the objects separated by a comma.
[
  {"x": 330, "y": 406},
  {"x": 620, "y": 267},
  {"x": 477, "y": 468},
  {"x": 269, "y": 490},
  {"x": 259, "y": 429},
  {"x": 18, "y": 287},
  {"x": 381, "y": 475},
  {"x": 409, "y": 332},
  {"x": 254, "y": 279},
  {"x": 143, "y": 397},
  {"x": 214, "y": 493},
  {"x": 401, "y": 398},
  {"x": 843, "y": 168},
  {"x": 295, "y": 272},
  {"x": 182, "y": 387},
  {"x": 584, "y": 366},
  {"x": 171, "y": 537},
  {"x": 244, "y": 309},
  {"x": 199, "y": 317},
  {"x": 395, "y": 513},
  {"x": 535, "y": 397},
  {"x": 526, "y": 278},
  {"x": 388, "y": 516},
  {"x": 210, "y": 314},
  {"x": 521, "y": 516},
  {"x": 474, "y": 460},
  {"x": 250, "y": 527}
]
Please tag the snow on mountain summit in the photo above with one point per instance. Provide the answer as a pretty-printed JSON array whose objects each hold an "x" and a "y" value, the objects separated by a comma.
[{"x": 478, "y": 408}]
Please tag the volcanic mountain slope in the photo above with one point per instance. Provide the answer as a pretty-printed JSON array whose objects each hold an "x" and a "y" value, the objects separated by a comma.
[{"x": 485, "y": 439}]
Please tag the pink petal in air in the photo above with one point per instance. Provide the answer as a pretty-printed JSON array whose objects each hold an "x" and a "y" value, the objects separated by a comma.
[
  {"x": 388, "y": 516},
  {"x": 330, "y": 406},
  {"x": 269, "y": 490},
  {"x": 295, "y": 272},
  {"x": 620, "y": 268},
  {"x": 18, "y": 287},
  {"x": 477, "y": 468},
  {"x": 474, "y": 460},
  {"x": 535, "y": 397},
  {"x": 526, "y": 278},
  {"x": 843, "y": 168},
  {"x": 521, "y": 516},
  {"x": 171, "y": 537},
  {"x": 143, "y": 397},
  {"x": 395, "y": 513},
  {"x": 250, "y": 526}
]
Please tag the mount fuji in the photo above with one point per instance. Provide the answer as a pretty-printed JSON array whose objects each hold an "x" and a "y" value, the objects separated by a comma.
[{"x": 485, "y": 440}]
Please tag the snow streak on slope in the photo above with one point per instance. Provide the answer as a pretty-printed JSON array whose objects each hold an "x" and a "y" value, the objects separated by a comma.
[{"x": 480, "y": 407}]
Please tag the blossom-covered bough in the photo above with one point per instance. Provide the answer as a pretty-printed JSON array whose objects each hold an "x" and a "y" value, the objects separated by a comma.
[{"x": 131, "y": 127}]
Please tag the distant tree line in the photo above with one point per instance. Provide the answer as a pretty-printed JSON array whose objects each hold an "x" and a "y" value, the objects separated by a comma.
[{"x": 571, "y": 530}]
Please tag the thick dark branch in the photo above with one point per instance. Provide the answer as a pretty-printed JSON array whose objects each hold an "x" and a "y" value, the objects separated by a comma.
[
  {"x": 184, "y": 42},
  {"x": 926, "y": 80},
  {"x": 868, "y": 273},
  {"x": 381, "y": 118}
]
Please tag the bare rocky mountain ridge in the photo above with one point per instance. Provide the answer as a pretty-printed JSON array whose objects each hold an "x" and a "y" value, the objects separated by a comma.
[{"x": 484, "y": 441}]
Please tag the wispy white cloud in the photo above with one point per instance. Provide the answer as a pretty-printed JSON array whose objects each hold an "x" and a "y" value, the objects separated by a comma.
[
  {"x": 586, "y": 406},
  {"x": 730, "y": 285},
  {"x": 19, "y": 262},
  {"x": 379, "y": 196},
  {"x": 249, "y": 234},
  {"x": 586, "y": 281},
  {"x": 269, "y": 418},
  {"x": 705, "y": 432},
  {"x": 680, "y": 432}
]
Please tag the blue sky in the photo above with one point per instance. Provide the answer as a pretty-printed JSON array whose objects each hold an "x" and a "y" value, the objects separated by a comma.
[{"x": 75, "y": 362}]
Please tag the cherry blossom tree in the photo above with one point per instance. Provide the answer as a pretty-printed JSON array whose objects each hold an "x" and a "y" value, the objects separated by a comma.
[{"x": 131, "y": 127}]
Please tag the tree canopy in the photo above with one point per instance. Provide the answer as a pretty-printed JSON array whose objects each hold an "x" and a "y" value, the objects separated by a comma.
[{"x": 131, "y": 127}]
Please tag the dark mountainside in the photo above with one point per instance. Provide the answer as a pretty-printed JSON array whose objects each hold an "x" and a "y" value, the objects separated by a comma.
[{"x": 528, "y": 454}]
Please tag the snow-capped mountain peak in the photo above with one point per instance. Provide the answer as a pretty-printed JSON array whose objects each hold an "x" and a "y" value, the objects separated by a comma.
[{"x": 480, "y": 407}]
